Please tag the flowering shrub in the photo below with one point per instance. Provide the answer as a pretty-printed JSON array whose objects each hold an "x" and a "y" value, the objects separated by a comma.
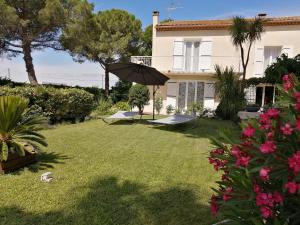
[{"x": 260, "y": 181}]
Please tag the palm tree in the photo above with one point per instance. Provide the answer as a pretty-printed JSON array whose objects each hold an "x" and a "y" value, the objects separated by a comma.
[
  {"x": 232, "y": 98},
  {"x": 244, "y": 33},
  {"x": 17, "y": 132}
]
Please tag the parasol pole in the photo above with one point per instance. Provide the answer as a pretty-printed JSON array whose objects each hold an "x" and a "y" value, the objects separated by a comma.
[{"x": 153, "y": 96}]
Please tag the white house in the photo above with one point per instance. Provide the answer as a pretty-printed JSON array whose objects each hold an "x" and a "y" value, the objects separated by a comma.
[{"x": 187, "y": 51}]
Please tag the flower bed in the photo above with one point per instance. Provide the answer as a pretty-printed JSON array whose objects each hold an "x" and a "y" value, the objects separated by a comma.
[{"x": 260, "y": 183}]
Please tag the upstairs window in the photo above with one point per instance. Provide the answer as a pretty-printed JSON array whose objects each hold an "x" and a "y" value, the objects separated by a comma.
[{"x": 270, "y": 55}]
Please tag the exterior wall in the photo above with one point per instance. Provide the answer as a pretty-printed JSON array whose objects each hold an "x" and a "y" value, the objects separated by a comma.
[{"x": 223, "y": 52}]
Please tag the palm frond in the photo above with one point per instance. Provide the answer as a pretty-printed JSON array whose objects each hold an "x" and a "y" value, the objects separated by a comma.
[
  {"x": 238, "y": 30},
  {"x": 256, "y": 28}
]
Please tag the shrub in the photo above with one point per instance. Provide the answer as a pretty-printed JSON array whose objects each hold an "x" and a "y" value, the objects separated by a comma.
[
  {"x": 18, "y": 134},
  {"x": 261, "y": 169},
  {"x": 139, "y": 96},
  {"x": 158, "y": 104},
  {"x": 121, "y": 106},
  {"x": 103, "y": 108},
  {"x": 195, "y": 109},
  {"x": 69, "y": 104},
  {"x": 120, "y": 91},
  {"x": 228, "y": 88},
  {"x": 170, "y": 109}
]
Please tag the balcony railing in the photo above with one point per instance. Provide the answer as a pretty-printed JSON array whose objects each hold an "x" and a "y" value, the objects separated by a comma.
[
  {"x": 145, "y": 60},
  {"x": 182, "y": 64}
]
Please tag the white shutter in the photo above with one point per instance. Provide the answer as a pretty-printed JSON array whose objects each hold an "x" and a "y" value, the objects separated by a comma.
[
  {"x": 205, "y": 54},
  {"x": 178, "y": 54},
  {"x": 259, "y": 61},
  {"x": 172, "y": 93},
  {"x": 287, "y": 50}
]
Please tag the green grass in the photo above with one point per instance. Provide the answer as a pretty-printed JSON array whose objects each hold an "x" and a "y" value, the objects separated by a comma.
[{"x": 115, "y": 175}]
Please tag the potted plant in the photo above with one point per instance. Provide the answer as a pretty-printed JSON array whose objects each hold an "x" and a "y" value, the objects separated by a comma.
[{"x": 19, "y": 134}]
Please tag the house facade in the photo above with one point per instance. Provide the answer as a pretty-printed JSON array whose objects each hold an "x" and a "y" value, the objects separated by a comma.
[{"x": 187, "y": 52}]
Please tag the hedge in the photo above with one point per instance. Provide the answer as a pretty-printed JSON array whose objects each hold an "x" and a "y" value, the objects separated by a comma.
[{"x": 59, "y": 104}]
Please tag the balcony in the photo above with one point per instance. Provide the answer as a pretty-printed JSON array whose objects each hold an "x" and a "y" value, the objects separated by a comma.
[
  {"x": 190, "y": 65},
  {"x": 145, "y": 60}
]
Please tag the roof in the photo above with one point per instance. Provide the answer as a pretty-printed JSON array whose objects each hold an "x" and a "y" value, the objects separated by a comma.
[{"x": 221, "y": 24}]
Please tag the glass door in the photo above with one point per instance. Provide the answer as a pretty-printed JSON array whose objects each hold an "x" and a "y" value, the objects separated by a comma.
[{"x": 192, "y": 51}]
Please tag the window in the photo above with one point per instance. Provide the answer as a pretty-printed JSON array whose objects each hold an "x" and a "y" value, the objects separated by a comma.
[
  {"x": 190, "y": 92},
  {"x": 191, "y": 59},
  {"x": 270, "y": 55}
]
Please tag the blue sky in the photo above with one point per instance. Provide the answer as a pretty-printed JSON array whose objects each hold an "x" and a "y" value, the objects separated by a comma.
[{"x": 59, "y": 67}]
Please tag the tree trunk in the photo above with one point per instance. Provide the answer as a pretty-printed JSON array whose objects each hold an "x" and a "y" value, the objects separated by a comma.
[
  {"x": 244, "y": 78},
  {"x": 29, "y": 65},
  {"x": 106, "y": 81}
]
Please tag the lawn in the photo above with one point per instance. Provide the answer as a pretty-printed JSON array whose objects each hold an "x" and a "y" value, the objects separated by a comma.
[{"x": 116, "y": 175}]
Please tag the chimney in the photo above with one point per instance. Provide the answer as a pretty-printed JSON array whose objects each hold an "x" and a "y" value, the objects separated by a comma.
[{"x": 155, "y": 19}]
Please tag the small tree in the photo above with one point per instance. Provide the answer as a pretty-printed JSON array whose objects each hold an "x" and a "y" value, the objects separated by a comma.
[
  {"x": 158, "y": 104},
  {"x": 243, "y": 34},
  {"x": 228, "y": 89},
  {"x": 105, "y": 37},
  {"x": 120, "y": 91},
  {"x": 31, "y": 25},
  {"x": 139, "y": 96}
]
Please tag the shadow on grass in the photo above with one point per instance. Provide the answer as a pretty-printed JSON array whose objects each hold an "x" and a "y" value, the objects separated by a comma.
[
  {"x": 111, "y": 202},
  {"x": 45, "y": 161},
  {"x": 201, "y": 128}
]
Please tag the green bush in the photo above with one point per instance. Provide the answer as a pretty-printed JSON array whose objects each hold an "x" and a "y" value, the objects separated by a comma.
[
  {"x": 170, "y": 109},
  {"x": 121, "y": 106},
  {"x": 69, "y": 104},
  {"x": 139, "y": 96},
  {"x": 103, "y": 108},
  {"x": 228, "y": 89},
  {"x": 119, "y": 93},
  {"x": 158, "y": 104},
  {"x": 195, "y": 109}
]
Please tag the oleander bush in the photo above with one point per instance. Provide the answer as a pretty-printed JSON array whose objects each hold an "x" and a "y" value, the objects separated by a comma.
[
  {"x": 260, "y": 181},
  {"x": 58, "y": 104}
]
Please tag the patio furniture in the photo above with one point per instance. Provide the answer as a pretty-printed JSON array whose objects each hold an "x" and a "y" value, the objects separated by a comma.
[
  {"x": 174, "y": 120},
  {"x": 120, "y": 115},
  {"x": 140, "y": 74}
]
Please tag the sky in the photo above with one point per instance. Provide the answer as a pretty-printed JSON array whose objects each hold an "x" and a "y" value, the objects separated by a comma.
[{"x": 58, "y": 67}]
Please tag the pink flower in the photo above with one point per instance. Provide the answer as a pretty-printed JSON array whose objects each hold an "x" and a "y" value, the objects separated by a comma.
[
  {"x": 291, "y": 187},
  {"x": 286, "y": 129},
  {"x": 277, "y": 197},
  {"x": 298, "y": 124},
  {"x": 294, "y": 162},
  {"x": 287, "y": 82},
  {"x": 242, "y": 161},
  {"x": 270, "y": 135},
  {"x": 264, "y": 199},
  {"x": 297, "y": 106},
  {"x": 297, "y": 96},
  {"x": 217, "y": 163},
  {"x": 264, "y": 173},
  {"x": 267, "y": 147},
  {"x": 235, "y": 151},
  {"x": 266, "y": 212},
  {"x": 256, "y": 188},
  {"x": 272, "y": 113},
  {"x": 213, "y": 205},
  {"x": 248, "y": 131},
  {"x": 218, "y": 151}
]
